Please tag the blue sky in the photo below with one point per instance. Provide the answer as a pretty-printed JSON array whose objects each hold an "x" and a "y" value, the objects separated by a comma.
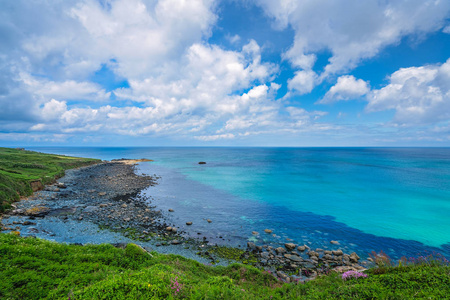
[{"x": 225, "y": 73}]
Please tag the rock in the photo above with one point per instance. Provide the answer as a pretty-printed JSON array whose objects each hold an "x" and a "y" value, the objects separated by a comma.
[
  {"x": 209, "y": 221},
  {"x": 251, "y": 245},
  {"x": 280, "y": 250},
  {"x": 102, "y": 193},
  {"x": 267, "y": 231},
  {"x": 259, "y": 248},
  {"x": 301, "y": 248},
  {"x": 265, "y": 255},
  {"x": 80, "y": 218},
  {"x": 169, "y": 228},
  {"x": 124, "y": 205},
  {"x": 313, "y": 254},
  {"x": 337, "y": 252},
  {"x": 202, "y": 163},
  {"x": 319, "y": 250},
  {"x": 255, "y": 233},
  {"x": 292, "y": 257},
  {"x": 175, "y": 242},
  {"x": 328, "y": 252},
  {"x": 145, "y": 232},
  {"x": 354, "y": 257},
  {"x": 327, "y": 257},
  {"x": 188, "y": 223},
  {"x": 127, "y": 219},
  {"x": 61, "y": 185},
  {"x": 289, "y": 246},
  {"x": 334, "y": 242},
  {"x": 171, "y": 210},
  {"x": 174, "y": 229},
  {"x": 103, "y": 205},
  {"x": 28, "y": 223},
  {"x": 90, "y": 209}
]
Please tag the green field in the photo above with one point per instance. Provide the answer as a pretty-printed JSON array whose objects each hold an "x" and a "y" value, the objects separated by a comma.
[
  {"x": 18, "y": 168},
  {"x": 36, "y": 269}
]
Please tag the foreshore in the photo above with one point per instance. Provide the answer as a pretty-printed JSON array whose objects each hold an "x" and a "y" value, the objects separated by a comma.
[{"x": 109, "y": 196}]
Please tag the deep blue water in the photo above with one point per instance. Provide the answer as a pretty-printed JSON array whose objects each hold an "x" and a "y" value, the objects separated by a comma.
[{"x": 391, "y": 199}]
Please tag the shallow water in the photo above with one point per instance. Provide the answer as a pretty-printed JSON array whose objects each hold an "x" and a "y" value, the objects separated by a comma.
[{"x": 391, "y": 199}]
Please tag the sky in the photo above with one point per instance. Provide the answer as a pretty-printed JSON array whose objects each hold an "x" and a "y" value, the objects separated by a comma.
[{"x": 296, "y": 73}]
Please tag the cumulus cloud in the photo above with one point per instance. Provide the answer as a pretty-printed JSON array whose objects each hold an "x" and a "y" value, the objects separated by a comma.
[
  {"x": 417, "y": 94},
  {"x": 350, "y": 30},
  {"x": 346, "y": 88}
]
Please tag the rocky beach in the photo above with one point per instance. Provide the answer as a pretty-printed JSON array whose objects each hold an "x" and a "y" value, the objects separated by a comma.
[{"x": 105, "y": 200}]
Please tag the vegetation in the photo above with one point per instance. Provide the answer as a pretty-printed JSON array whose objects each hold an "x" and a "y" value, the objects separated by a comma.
[
  {"x": 19, "y": 168},
  {"x": 31, "y": 268}
]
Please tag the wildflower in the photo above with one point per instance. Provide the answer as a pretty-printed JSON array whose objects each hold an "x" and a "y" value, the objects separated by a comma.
[{"x": 353, "y": 274}]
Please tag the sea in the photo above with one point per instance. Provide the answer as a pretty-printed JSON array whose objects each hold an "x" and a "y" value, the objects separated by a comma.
[{"x": 367, "y": 199}]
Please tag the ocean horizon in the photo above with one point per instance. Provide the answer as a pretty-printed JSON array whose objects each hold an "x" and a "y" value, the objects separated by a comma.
[{"x": 368, "y": 199}]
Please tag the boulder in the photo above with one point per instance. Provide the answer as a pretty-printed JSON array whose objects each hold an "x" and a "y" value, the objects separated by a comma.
[
  {"x": 301, "y": 248},
  {"x": 289, "y": 246},
  {"x": 255, "y": 233},
  {"x": 188, "y": 223},
  {"x": 209, "y": 221},
  {"x": 280, "y": 250},
  {"x": 175, "y": 242},
  {"x": 293, "y": 257},
  {"x": 124, "y": 205},
  {"x": 313, "y": 254},
  {"x": 251, "y": 245},
  {"x": 334, "y": 242},
  {"x": 102, "y": 193},
  {"x": 267, "y": 231},
  {"x": 354, "y": 257},
  {"x": 171, "y": 210},
  {"x": 174, "y": 229},
  {"x": 337, "y": 252},
  {"x": 202, "y": 163},
  {"x": 169, "y": 228}
]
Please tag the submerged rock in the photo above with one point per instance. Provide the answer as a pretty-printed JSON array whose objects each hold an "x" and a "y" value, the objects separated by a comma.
[{"x": 267, "y": 231}]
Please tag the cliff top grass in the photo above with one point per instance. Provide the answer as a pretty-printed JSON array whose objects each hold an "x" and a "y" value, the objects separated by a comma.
[
  {"x": 18, "y": 168},
  {"x": 31, "y": 268}
]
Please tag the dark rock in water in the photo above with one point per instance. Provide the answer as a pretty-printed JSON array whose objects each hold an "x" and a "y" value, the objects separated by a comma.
[
  {"x": 290, "y": 246},
  {"x": 202, "y": 163},
  {"x": 61, "y": 185},
  {"x": 301, "y": 248},
  {"x": 334, "y": 242},
  {"x": 280, "y": 250},
  {"x": 251, "y": 245},
  {"x": 28, "y": 223},
  {"x": 265, "y": 255},
  {"x": 354, "y": 257},
  {"x": 175, "y": 242},
  {"x": 188, "y": 223},
  {"x": 171, "y": 210},
  {"x": 292, "y": 257},
  {"x": 337, "y": 252},
  {"x": 209, "y": 221},
  {"x": 267, "y": 231}
]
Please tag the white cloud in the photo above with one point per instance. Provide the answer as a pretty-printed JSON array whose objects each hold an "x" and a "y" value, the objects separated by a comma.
[
  {"x": 351, "y": 30},
  {"x": 346, "y": 88},
  {"x": 446, "y": 29},
  {"x": 417, "y": 94},
  {"x": 303, "y": 82}
]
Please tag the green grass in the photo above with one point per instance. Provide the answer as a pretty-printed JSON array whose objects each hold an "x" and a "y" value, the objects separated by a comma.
[
  {"x": 37, "y": 269},
  {"x": 18, "y": 168}
]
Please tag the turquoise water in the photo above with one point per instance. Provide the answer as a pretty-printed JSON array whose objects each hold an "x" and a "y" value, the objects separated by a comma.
[{"x": 391, "y": 199}]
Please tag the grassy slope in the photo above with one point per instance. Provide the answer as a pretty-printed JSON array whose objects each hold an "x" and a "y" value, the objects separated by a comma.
[
  {"x": 36, "y": 269},
  {"x": 18, "y": 168}
]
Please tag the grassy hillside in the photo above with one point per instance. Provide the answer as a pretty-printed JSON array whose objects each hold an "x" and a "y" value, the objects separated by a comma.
[
  {"x": 18, "y": 168},
  {"x": 36, "y": 269}
]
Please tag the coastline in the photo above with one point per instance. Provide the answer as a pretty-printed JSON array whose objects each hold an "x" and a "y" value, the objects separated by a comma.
[{"x": 108, "y": 195}]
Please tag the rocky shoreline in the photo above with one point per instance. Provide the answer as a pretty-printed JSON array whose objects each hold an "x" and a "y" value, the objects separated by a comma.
[{"x": 109, "y": 195}]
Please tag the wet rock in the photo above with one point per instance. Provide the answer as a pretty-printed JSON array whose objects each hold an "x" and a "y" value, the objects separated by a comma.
[
  {"x": 301, "y": 248},
  {"x": 354, "y": 258},
  {"x": 312, "y": 254},
  {"x": 337, "y": 252},
  {"x": 102, "y": 193},
  {"x": 251, "y": 245},
  {"x": 103, "y": 205},
  {"x": 280, "y": 250},
  {"x": 267, "y": 231},
  {"x": 171, "y": 210},
  {"x": 26, "y": 223},
  {"x": 127, "y": 219},
  {"x": 61, "y": 185},
  {"x": 289, "y": 246},
  {"x": 293, "y": 257},
  {"x": 124, "y": 205},
  {"x": 334, "y": 242},
  {"x": 202, "y": 163},
  {"x": 174, "y": 229},
  {"x": 255, "y": 233},
  {"x": 328, "y": 252},
  {"x": 90, "y": 209},
  {"x": 188, "y": 223},
  {"x": 169, "y": 228},
  {"x": 175, "y": 242},
  {"x": 209, "y": 221}
]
